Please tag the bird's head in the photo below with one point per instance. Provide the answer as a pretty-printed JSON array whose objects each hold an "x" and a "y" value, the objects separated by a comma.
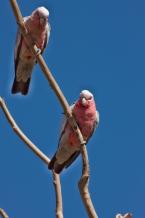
[
  {"x": 86, "y": 98},
  {"x": 41, "y": 14}
]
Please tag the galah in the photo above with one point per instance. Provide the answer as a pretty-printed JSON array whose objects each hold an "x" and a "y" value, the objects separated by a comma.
[
  {"x": 39, "y": 29},
  {"x": 87, "y": 118}
]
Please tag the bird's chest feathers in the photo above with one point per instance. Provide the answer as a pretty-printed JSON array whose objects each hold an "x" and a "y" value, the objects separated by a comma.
[
  {"x": 39, "y": 39},
  {"x": 85, "y": 121},
  {"x": 26, "y": 53},
  {"x": 38, "y": 34}
]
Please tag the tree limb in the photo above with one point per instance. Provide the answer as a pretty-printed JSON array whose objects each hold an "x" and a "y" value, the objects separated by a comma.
[
  {"x": 83, "y": 185},
  {"x": 88, "y": 203},
  {"x": 3, "y": 213},
  {"x": 21, "y": 135},
  {"x": 57, "y": 185},
  {"x": 39, "y": 154}
]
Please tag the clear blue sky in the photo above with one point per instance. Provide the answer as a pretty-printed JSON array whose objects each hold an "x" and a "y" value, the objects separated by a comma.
[{"x": 95, "y": 45}]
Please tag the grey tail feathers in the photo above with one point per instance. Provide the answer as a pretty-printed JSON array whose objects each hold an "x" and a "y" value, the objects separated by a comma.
[
  {"x": 20, "y": 86},
  {"x": 53, "y": 165}
]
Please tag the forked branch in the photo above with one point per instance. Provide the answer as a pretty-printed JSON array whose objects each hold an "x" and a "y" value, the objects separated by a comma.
[
  {"x": 21, "y": 135},
  {"x": 39, "y": 154}
]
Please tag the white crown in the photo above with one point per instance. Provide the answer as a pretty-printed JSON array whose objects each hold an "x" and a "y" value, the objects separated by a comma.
[{"x": 43, "y": 11}]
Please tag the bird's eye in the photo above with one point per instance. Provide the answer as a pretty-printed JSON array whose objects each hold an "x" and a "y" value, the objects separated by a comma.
[
  {"x": 90, "y": 98},
  {"x": 87, "y": 98}
]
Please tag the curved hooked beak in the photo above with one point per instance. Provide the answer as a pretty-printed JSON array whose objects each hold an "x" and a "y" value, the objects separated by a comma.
[
  {"x": 42, "y": 20},
  {"x": 84, "y": 101}
]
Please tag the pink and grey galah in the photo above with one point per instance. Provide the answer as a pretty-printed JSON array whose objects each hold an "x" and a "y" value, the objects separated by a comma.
[
  {"x": 39, "y": 28},
  {"x": 87, "y": 118}
]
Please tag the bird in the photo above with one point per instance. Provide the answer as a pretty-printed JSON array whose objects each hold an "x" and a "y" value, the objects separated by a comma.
[
  {"x": 39, "y": 29},
  {"x": 87, "y": 118}
]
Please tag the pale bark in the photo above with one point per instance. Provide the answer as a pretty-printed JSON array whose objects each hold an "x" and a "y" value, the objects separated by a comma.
[
  {"x": 57, "y": 186},
  {"x": 3, "y": 214}
]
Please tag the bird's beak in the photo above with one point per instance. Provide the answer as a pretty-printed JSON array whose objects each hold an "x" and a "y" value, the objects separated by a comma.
[
  {"x": 42, "y": 20},
  {"x": 84, "y": 101}
]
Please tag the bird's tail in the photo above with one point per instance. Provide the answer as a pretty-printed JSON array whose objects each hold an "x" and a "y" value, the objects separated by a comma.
[
  {"x": 53, "y": 165},
  {"x": 20, "y": 86}
]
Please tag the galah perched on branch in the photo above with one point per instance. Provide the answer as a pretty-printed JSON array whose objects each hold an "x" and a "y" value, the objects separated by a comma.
[
  {"x": 87, "y": 118},
  {"x": 39, "y": 29}
]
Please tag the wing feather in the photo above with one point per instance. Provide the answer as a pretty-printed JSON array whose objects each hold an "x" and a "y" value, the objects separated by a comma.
[
  {"x": 47, "y": 35},
  {"x": 19, "y": 39}
]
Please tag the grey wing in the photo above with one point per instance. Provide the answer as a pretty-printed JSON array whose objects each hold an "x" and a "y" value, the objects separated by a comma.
[
  {"x": 18, "y": 40},
  {"x": 75, "y": 154},
  {"x": 54, "y": 159},
  {"x": 48, "y": 33},
  {"x": 72, "y": 159},
  {"x": 17, "y": 48},
  {"x": 68, "y": 156},
  {"x": 46, "y": 37},
  {"x": 96, "y": 123},
  {"x": 18, "y": 43},
  {"x": 19, "y": 84},
  {"x": 63, "y": 125},
  {"x": 62, "y": 129},
  {"x": 97, "y": 118}
]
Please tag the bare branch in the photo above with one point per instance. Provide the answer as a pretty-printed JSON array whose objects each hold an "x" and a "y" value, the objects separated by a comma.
[
  {"x": 59, "y": 94},
  {"x": 83, "y": 185},
  {"x": 57, "y": 185},
  {"x": 21, "y": 135},
  {"x": 39, "y": 154},
  {"x": 3, "y": 213}
]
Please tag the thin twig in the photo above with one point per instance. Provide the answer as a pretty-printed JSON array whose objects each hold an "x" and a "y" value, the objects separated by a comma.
[
  {"x": 3, "y": 213},
  {"x": 21, "y": 135},
  {"x": 88, "y": 203},
  {"x": 83, "y": 185},
  {"x": 36, "y": 150},
  {"x": 57, "y": 185}
]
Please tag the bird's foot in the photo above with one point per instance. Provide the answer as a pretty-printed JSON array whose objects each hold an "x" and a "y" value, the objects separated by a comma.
[{"x": 38, "y": 51}]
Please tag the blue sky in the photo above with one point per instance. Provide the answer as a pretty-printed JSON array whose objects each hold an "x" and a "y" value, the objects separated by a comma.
[{"x": 95, "y": 45}]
